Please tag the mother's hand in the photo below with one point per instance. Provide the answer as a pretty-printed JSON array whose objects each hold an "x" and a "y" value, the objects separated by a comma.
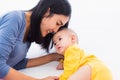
[{"x": 56, "y": 57}]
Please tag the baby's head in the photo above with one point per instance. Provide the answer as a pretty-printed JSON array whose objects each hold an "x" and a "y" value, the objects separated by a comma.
[{"x": 63, "y": 39}]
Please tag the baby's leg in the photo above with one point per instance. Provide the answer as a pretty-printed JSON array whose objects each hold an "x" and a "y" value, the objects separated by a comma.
[{"x": 83, "y": 73}]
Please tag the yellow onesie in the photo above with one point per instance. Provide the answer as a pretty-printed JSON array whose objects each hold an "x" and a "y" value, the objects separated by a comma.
[{"x": 74, "y": 58}]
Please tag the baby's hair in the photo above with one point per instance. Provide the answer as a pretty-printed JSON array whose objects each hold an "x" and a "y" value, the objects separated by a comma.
[{"x": 71, "y": 31}]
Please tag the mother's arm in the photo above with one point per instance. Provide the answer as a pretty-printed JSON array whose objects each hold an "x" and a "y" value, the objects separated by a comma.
[{"x": 43, "y": 59}]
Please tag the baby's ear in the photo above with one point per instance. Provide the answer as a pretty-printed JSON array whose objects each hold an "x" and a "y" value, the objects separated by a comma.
[{"x": 73, "y": 37}]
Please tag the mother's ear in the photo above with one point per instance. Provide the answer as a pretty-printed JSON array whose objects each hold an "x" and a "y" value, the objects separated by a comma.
[{"x": 47, "y": 13}]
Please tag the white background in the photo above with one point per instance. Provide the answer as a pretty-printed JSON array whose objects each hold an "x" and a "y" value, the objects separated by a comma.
[{"x": 97, "y": 23}]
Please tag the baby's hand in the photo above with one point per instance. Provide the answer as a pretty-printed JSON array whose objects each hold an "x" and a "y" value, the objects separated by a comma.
[{"x": 60, "y": 66}]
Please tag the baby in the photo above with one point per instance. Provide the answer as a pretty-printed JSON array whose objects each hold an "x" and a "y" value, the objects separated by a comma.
[{"x": 77, "y": 64}]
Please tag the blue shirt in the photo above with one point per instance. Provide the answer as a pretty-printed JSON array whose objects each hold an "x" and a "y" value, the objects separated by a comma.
[{"x": 12, "y": 47}]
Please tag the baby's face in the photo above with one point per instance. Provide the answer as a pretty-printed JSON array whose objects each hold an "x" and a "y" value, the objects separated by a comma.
[{"x": 61, "y": 40}]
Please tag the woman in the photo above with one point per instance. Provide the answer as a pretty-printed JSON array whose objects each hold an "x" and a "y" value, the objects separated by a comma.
[{"x": 18, "y": 29}]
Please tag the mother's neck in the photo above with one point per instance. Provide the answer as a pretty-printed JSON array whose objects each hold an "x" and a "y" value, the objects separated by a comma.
[{"x": 27, "y": 26}]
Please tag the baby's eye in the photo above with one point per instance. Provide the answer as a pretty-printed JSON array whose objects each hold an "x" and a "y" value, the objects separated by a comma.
[
  {"x": 60, "y": 39},
  {"x": 54, "y": 43}
]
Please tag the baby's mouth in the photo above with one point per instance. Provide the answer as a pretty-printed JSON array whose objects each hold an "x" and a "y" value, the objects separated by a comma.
[{"x": 58, "y": 48}]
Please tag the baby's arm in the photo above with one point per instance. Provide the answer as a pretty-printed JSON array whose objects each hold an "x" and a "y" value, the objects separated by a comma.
[{"x": 71, "y": 64}]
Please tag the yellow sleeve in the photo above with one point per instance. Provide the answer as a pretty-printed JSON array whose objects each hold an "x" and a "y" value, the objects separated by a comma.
[{"x": 71, "y": 62}]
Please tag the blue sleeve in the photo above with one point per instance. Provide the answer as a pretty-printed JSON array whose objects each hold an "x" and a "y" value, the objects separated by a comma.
[
  {"x": 21, "y": 65},
  {"x": 9, "y": 30}
]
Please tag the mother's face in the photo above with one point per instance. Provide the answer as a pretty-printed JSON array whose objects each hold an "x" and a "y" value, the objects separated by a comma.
[{"x": 52, "y": 23}]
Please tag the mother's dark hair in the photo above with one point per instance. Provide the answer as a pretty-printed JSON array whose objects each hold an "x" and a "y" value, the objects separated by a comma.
[{"x": 56, "y": 7}]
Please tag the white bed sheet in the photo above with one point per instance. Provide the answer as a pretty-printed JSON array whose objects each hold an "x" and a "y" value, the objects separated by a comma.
[{"x": 45, "y": 70}]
